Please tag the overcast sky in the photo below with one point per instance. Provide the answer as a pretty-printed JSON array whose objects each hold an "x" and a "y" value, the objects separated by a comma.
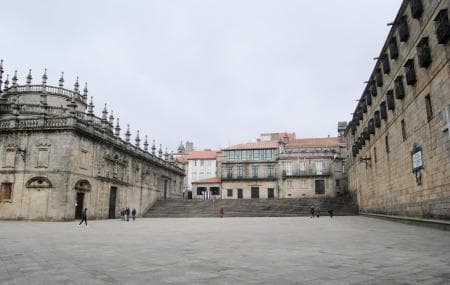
[{"x": 212, "y": 72}]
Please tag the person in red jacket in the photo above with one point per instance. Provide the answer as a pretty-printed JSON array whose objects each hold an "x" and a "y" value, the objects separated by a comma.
[{"x": 221, "y": 212}]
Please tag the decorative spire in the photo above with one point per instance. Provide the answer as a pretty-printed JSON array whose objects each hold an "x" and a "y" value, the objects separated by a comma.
[
  {"x": 85, "y": 91},
  {"x": 172, "y": 157},
  {"x": 137, "y": 140},
  {"x": 117, "y": 128},
  {"x": 111, "y": 118},
  {"x": 44, "y": 77},
  {"x": 29, "y": 77},
  {"x": 153, "y": 148},
  {"x": 91, "y": 108},
  {"x": 6, "y": 83},
  {"x": 14, "y": 79},
  {"x": 76, "y": 87},
  {"x": 146, "y": 144},
  {"x": 1, "y": 74},
  {"x": 160, "y": 152},
  {"x": 61, "y": 80},
  {"x": 105, "y": 114},
  {"x": 166, "y": 155},
  {"x": 127, "y": 134}
]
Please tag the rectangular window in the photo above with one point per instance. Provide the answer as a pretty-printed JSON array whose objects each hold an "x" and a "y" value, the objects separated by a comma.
[
  {"x": 229, "y": 171},
  {"x": 385, "y": 64},
  {"x": 410, "y": 72},
  {"x": 270, "y": 171},
  {"x": 416, "y": 8},
  {"x": 229, "y": 192},
  {"x": 232, "y": 155},
  {"x": 201, "y": 162},
  {"x": 238, "y": 155},
  {"x": 429, "y": 107},
  {"x": 240, "y": 171},
  {"x": 288, "y": 167},
  {"x": 403, "y": 30},
  {"x": 368, "y": 98},
  {"x": 42, "y": 157},
  {"x": 398, "y": 87},
  {"x": 442, "y": 26},
  {"x": 9, "y": 159},
  {"x": 386, "y": 141},
  {"x": 402, "y": 123},
  {"x": 390, "y": 100},
  {"x": 200, "y": 190},
  {"x": 393, "y": 48},
  {"x": 6, "y": 192},
  {"x": 424, "y": 53},
  {"x": 379, "y": 77},
  {"x": 256, "y": 154},
  {"x": 244, "y": 155},
  {"x": 303, "y": 165},
  {"x": 383, "y": 110},
  {"x": 255, "y": 171},
  {"x": 289, "y": 183},
  {"x": 338, "y": 182}
]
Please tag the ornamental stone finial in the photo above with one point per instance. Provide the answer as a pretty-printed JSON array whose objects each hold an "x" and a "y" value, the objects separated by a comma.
[
  {"x": 166, "y": 155},
  {"x": 14, "y": 79},
  {"x": 153, "y": 148},
  {"x": 105, "y": 114},
  {"x": 6, "y": 83},
  {"x": 76, "y": 87},
  {"x": 111, "y": 118},
  {"x": 61, "y": 80},
  {"x": 127, "y": 134},
  {"x": 85, "y": 91},
  {"x": 29, "y": 77},
  {"x": 1, "y": 74},
  {"x": 137, "y": 140},
  {"x": 44, "y": 77},
  {"x": 91, "y": 107},
  {"x": 117, "y": 129},
  {"x": 146, "y": 144},
  {"x": 160, "y": 152}
]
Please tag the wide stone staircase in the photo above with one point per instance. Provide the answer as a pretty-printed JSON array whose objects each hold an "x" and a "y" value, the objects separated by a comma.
[{"x": 342, "y": 206}]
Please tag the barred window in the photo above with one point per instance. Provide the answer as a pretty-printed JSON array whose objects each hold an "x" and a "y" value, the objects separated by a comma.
[
  {"x": 410, "y": 72},
  {"x": 442, "y": 26},
  {"x": 403, "y": 30},
  {"x": 424, "y": 53}
]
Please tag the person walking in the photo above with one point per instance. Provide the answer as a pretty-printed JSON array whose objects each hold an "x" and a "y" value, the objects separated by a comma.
[
  {"x": 127, "y": 214},
  {"x": 221, "y": 212},
  {"x": 312, "y": 211},
  {"x": 330, "y": 211},
  {"x": 318, "y": 212},
  {"x": 83, "y": 217},
  {"x": 133, "y": 214}
]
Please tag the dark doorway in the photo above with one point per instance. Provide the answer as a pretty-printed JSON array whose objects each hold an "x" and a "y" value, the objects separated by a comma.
[
  {"x": 240, "y": 195},
  {"x": 189, "y": 195},
  {"x": 270, "y": 193},
  {"x": 112, "y": 202},
  {"x": 79, "y": 205},
  {"x": 165, "y": 189},
  {"x": 320, "y": 187},
  {"x": 255, "y": 192},
  {"x": 214, "y": 191}
]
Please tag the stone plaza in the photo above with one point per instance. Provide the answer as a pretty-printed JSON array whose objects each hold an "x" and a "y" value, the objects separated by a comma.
[{"x": 297, "y": 250}]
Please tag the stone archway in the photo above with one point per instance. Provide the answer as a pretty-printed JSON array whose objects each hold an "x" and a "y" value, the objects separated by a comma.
[{"x": 81, "y": 187}]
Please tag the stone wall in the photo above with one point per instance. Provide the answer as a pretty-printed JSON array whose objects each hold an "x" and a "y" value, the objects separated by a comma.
[{"x": 381, "y": 174}]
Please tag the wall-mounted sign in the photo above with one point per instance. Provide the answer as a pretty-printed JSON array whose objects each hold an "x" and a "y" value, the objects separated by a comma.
[{"x": 417, "y": 157}]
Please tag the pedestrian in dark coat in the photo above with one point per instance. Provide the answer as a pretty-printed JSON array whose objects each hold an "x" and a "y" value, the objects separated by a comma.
[
  {"x": 221, "y": 212},
  {"x": 128, "y": 214},
  {"x": 312, "y": 211},
  {"x": 84, "y": 217},
  {"x": 331, "y": 213},
  {"x": 318, "y": 213},
  {"x": 133, "y": 214}
]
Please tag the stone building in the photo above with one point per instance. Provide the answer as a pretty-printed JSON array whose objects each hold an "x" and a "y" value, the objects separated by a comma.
[
  {"x": 57, "y": 157},
  {"x": 398, "y": 140},
  {"x": 201, "y": 165},
  {"x": 279, "y": 165}
]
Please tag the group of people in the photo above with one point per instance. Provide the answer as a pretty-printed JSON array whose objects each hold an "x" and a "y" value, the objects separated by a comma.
[
  {"x": 125, "y": 214},
  {"x": 316, "y": 213}
]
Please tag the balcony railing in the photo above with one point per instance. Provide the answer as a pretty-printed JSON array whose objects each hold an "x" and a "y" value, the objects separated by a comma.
[
  {"x": 248, "y": 177},
  {"x": 306, "y": 172}
]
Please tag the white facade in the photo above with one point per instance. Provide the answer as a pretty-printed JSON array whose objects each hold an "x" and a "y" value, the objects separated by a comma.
[{"x": 199, "y": 169}]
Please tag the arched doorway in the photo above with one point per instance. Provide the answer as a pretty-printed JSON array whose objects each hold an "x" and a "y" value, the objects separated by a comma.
[{"x": 81, "y": 187}]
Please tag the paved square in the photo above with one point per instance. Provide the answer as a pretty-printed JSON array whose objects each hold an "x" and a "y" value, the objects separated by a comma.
[{"x": 300, "y": 250}]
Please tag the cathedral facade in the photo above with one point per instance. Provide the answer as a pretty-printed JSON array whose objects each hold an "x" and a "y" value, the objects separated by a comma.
[{"x": 57, "y": 157}]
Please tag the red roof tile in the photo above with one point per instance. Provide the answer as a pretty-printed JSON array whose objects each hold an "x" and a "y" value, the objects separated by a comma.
[
  {"x": 256, "y": 145},
  {"x": 208, "y": 180},
  {"x": 202, "y": 154}
]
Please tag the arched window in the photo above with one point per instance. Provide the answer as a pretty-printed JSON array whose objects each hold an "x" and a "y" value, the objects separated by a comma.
[
  {"x": 39, "y": 182},
  {"x": 83, "y": 186}
]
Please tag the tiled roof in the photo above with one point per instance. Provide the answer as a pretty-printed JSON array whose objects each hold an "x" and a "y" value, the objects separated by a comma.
[
  {"x": 208, "y": 180},
  {"x": 333, "y": 141},
  {"x": 256, "y": 145},
  {"x": 202, "y": 154}
]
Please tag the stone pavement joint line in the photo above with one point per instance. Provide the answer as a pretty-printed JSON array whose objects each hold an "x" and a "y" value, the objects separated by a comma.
[{"x": 290, "y": 250}]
